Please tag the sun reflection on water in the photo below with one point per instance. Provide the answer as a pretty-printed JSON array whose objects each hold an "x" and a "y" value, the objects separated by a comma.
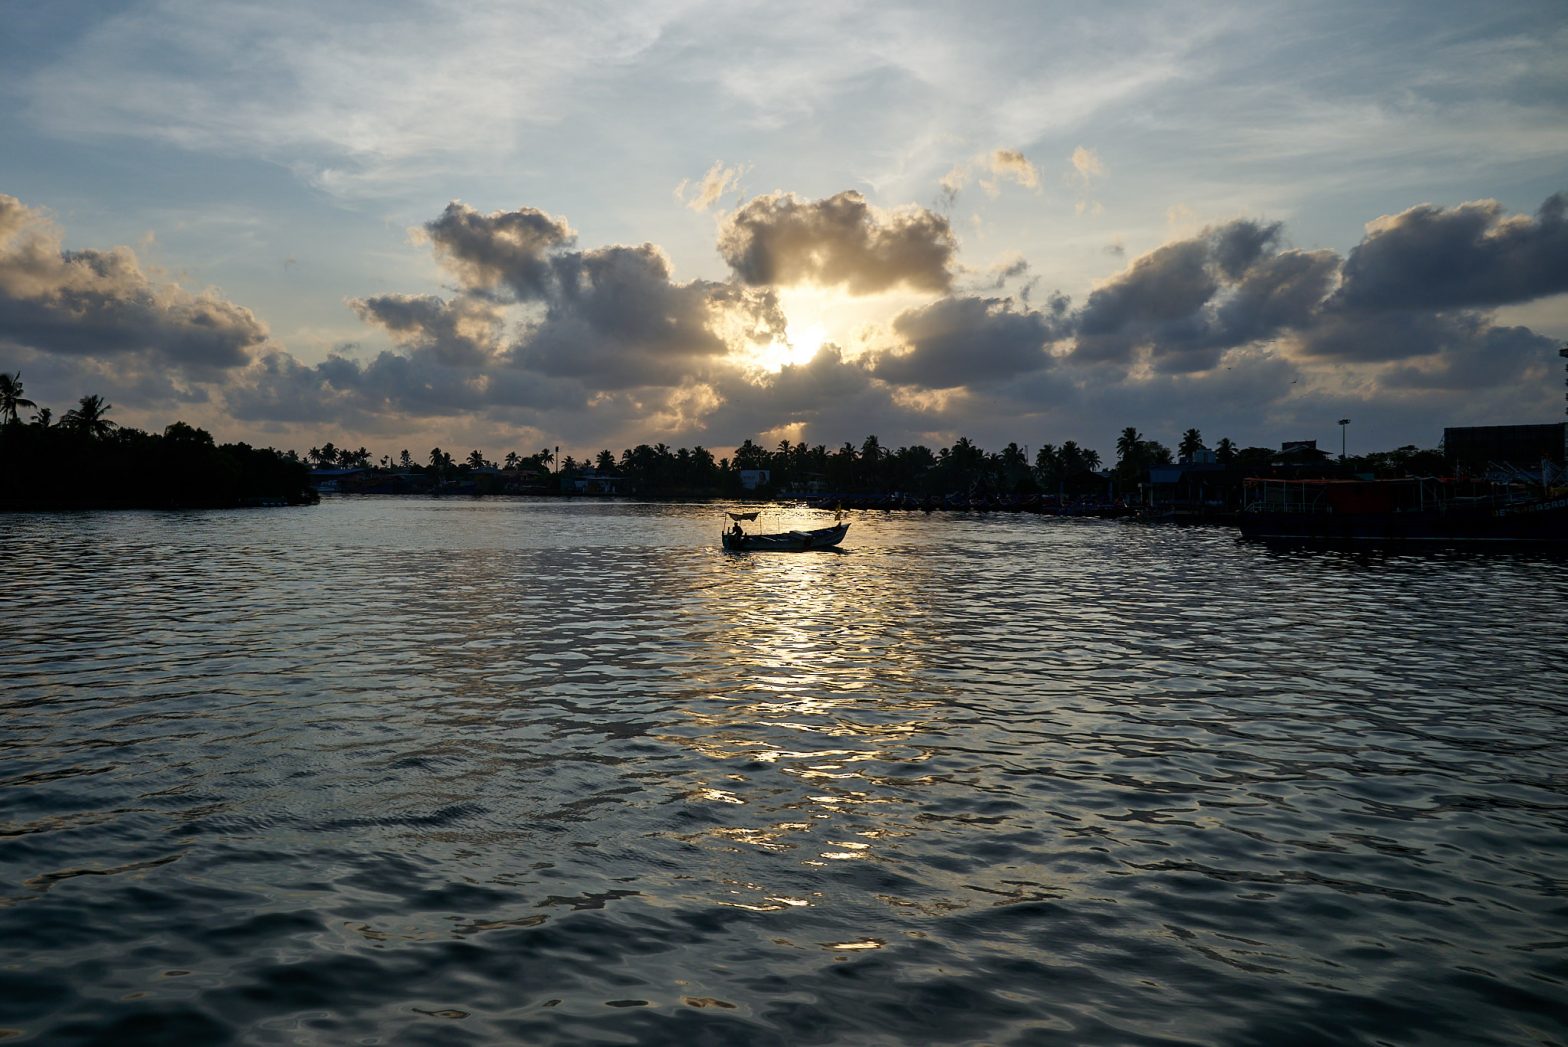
[{"x": 813, "y": 726}]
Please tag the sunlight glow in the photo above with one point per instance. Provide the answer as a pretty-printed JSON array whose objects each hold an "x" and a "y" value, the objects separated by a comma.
[
  {"x": 804, "y": 341},
  {"x": 826, "y": 316}
]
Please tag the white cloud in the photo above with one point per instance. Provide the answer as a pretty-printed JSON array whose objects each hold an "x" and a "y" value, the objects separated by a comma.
[{"x": 707, "y": 192}]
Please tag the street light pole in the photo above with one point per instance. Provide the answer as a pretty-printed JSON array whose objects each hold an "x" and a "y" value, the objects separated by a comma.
[{"x": 1342, "y": 423}]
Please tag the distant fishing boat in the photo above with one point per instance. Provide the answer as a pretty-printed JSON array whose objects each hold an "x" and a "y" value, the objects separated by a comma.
[{"x": 737, "y": 540}]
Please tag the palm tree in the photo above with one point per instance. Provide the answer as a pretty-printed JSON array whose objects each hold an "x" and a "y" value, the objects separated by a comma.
[
  {"x": 1091, "y": 460},
  {"x": 511, "y": 460},
  {"x": 1128, "y": 443},
  {"x": 750, "y": 456},
  {"x": 1046, "y": 462},
  {"x": 476, "y": 459},
  {"x": 405, "y": 459},
  {"x": 43, "y": 418},
  {"x": 88, "y": 416},
  {"x": 1072, "y": 458},
  {"x": 1225, "y": 450},
  {"x": 11, "y": 396},
  {"x": 1191, "y": 443}
]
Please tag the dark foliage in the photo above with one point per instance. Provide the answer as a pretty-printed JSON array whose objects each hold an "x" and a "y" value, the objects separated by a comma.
[{"x": 61, "y": 468}]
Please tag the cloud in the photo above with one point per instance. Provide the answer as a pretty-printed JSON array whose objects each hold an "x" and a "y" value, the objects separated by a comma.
[
  {"x": 1470, "y": 255},
  {"x": 829, "y": 397},
  {"x": 616, "y": 319},
  {"x": 508, "y": 248},
  {"x": 964, "y": 341},
  {"x": 537, "y": 326},
  {"x": 1013, "y": 166},
  {"x": 843, "y": 241},
  {"x": 1157, "y": 303},
  {"x": 1274, "y": 294},
  {"x": 994, "y": 168},
  {"x": 101, "y": 304},
  {"x": 1472, "y": 354},
  {"x": 1421, "y": 285},
  {"x": 1087, "y": 168},
  {"x": 1087, "y": 164},
  {"x": 355, "y": 104},
  {"x": 718, "y": 181},
  {"x": 462, "y": 332},
  {"x": 1405, "y": 319},
  {"x": 1230, "y": 327},
  {"x": 1187, "y": 301}
]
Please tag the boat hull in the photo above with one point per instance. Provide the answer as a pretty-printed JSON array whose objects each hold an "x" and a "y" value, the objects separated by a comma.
[
  {"x": 1542, "y": 526},
  {"x": 786, "y": 541}
]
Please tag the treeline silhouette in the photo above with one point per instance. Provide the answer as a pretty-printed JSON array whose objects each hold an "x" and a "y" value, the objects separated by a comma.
[
  {"x": 789, "y": 468},
  {"x": 86, "y": 461}
]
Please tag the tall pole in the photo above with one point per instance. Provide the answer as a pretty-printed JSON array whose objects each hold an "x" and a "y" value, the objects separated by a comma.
[
  {"x": 1342, "y": 423},
  {"x": 1563, "y": 352}
]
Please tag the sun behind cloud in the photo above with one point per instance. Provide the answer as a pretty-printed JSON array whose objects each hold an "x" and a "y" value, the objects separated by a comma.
[{"x": 805, "y": 341}]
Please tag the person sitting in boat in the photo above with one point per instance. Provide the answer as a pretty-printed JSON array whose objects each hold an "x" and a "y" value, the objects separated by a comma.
[{"x": 737, "y": 531}]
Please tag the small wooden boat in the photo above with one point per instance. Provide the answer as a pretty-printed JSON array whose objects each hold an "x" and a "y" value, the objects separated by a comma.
[{"x": 786, "y": 541}]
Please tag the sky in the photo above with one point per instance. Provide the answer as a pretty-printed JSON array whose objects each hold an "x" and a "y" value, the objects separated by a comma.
[{"x": 514, "y": 226}]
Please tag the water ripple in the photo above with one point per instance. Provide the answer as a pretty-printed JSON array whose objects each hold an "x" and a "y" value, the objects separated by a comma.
[{"x": 563, "y": 772}]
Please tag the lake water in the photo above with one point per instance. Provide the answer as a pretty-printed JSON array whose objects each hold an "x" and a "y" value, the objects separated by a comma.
[{"x": 421, "y": 771}]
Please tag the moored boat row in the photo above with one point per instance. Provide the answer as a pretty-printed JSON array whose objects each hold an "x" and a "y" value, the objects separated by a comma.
[
  {"x": 1409, "y": 512},
  {"x": 1416, "y": 511}
]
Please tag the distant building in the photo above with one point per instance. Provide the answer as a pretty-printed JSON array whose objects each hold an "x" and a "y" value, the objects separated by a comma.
[
  {"x": 597, "y": 483},
  {"x": 1523, "y": 446},
  {"x": 1299, "y": 452},
  {"x": 751, "y": 479},
  {"x": 1194, "y": 484}
]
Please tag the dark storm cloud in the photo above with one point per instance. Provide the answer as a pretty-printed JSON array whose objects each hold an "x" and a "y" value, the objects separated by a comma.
[
  {"x": 611, "y": 317},
  {"x": 1166, "y": 287},
  {"x": 599, "y": 323},
  {"x": 1438, "y": 350},
  {"x": 128, "y": 380},
  {"x": 278, "y": 388},
  {"x": 101, "y": 304},
  {"x": 1187, "y": 302},
  {"x": 1466, "y": 256},
  {"x": 1278, "y": 293},
  {"x": 835, "y": 399},
  {"x": 462, "y": 332},
  {"x": 1375, "y": 336},
  {"x": 1238, "y": 245},
  {"x": 959, "y": 341},
  {"x": 1478, "y": 356},
  {"x": 1418, "y": 285},
  {"x": 416, "y": 384},
  {"x": 1160, "y": 303},
  {"x": 1421, "y": 285},
  {"x": 616, "y": 320},
  {"x": 504, "y": 247},
  {"x": 841, "y": 241}
]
